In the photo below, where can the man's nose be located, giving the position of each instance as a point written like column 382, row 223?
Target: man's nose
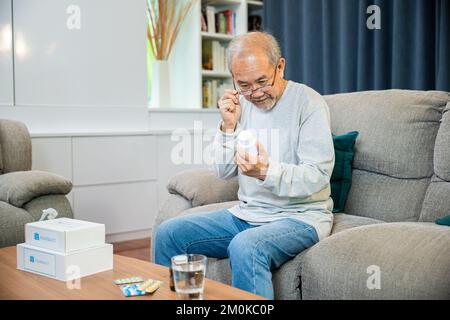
column 257, row 94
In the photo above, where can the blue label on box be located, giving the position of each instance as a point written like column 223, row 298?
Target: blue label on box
column 39, row 262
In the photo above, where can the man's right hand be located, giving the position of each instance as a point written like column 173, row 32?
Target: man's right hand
column 230, row 110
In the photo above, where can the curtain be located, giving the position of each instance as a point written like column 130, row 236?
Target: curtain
column 328, row 45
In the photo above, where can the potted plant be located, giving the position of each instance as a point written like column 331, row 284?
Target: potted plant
column 165, row 18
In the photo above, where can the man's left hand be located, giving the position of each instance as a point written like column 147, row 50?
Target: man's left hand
column 255, row 166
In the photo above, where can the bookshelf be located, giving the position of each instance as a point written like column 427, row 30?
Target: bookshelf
column 222, row 2
column 219, row 37
column 210, row 74
column 258, row 4
column 189, row 52
column 221, row 20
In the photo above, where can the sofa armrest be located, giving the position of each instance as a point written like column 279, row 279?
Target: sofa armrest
column 403, row 260
column 202, row 187
column 20, row 187
column 172, row 207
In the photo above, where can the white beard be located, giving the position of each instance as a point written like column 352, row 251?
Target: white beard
column 267, row 108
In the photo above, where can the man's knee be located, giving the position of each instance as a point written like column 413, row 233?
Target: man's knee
column 244, row 247
column 166, row 230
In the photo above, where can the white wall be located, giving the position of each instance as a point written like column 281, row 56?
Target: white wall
column 74, row 65
column 6, row 61
column 69, row 53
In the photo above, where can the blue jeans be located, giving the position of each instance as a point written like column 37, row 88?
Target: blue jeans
column 253, row 250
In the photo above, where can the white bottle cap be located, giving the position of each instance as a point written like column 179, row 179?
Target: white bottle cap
column 247, row 140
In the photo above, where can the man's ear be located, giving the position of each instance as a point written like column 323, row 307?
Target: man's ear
column 281, row 66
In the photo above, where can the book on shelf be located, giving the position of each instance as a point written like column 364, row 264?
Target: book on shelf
column 222, row 22
column 210, row 18
column 213, row 56
column 213, row 90
column 207, row 55
column 204, row 24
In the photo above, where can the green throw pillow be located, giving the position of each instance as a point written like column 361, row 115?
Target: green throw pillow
column 445, row 221
column 341, row 179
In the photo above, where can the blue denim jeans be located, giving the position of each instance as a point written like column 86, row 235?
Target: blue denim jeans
column 253, row 250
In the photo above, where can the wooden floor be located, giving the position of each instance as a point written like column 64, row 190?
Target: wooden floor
column 139, row 249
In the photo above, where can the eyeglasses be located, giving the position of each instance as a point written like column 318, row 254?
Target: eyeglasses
column 263, row 88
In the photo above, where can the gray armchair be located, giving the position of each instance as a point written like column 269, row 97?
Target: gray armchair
column 25, row 193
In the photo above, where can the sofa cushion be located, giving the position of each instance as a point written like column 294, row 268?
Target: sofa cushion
column 412, row 260
column 442, row 147
column 385, row 198
column 397, row 129
column 344, row 221
column 287, row 279
column 341, row 178
column 437, row 200
column 393, row 160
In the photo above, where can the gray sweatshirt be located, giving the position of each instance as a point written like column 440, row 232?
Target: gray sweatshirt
column 297, row 136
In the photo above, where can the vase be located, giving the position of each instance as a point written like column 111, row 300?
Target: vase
column 160, row 94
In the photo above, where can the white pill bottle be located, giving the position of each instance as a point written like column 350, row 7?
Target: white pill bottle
column 247, row 140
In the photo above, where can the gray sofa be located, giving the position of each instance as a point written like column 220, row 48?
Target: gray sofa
column 385, row 245
column 25, row 193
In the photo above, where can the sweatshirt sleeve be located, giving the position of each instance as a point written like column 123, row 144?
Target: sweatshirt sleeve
column 315, row 152
column 224, row 152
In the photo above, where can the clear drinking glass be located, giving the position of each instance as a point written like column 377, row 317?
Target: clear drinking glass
column 189, row 276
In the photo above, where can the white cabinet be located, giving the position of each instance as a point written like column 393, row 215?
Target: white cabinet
column 101, row 160
column 121, row 207
column 6, row 62
column 114, row 177
column 115, row 181
column 53, row 155
column 80, row 52
column 119, row 180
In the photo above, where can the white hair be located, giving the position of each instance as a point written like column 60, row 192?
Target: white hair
column 247, row 42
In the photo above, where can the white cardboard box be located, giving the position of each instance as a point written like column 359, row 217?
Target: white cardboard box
column 64, row 234
column 64, row 266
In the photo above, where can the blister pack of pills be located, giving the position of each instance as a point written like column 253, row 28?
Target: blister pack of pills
column 132, row 290
column 128, row 280
column 136, row 286
column 150, row 285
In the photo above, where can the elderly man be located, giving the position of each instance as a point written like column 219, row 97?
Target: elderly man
column 284, row 188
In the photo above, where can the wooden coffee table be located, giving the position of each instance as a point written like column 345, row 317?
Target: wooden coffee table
column 17, row 284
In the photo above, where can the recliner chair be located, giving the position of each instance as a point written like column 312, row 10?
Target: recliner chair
column 25, row 193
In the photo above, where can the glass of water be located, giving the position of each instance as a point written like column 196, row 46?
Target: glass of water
column 189, row 276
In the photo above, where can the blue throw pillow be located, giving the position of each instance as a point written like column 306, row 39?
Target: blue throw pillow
column 445, row 221
column 341, row 178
